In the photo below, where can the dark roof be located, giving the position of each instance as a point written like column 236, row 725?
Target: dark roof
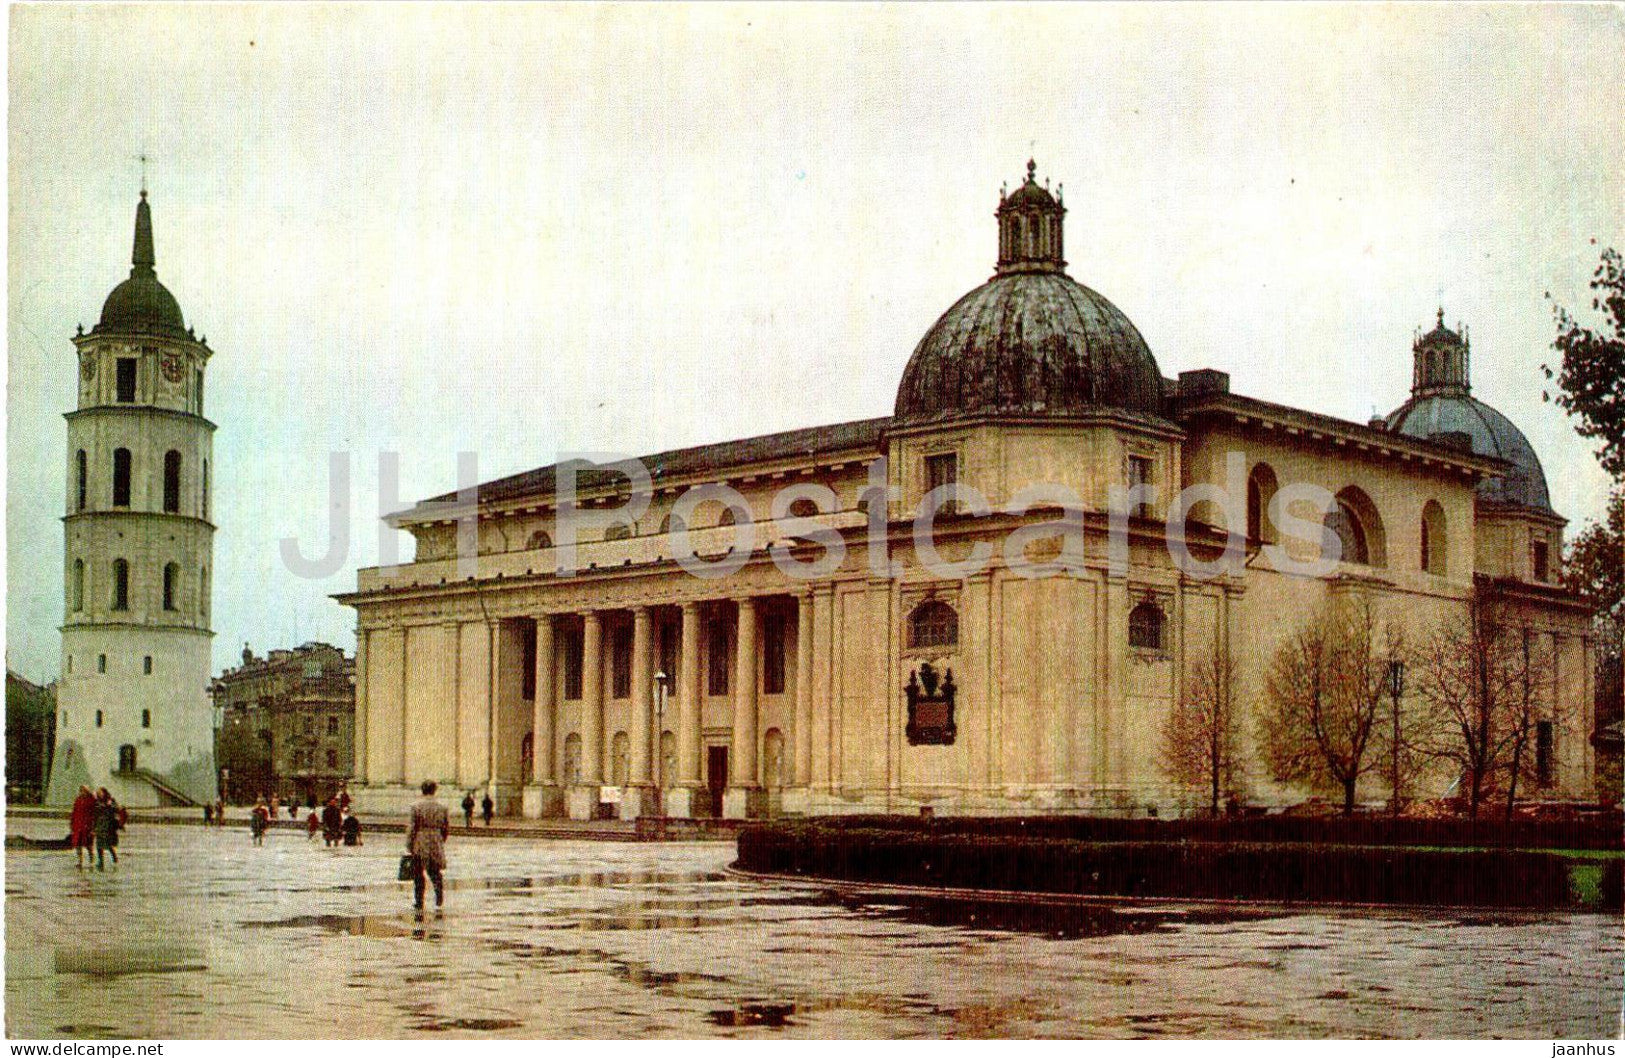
column 684, row 462
column 1491, row 433
column 1029, row 343
column 141, row 303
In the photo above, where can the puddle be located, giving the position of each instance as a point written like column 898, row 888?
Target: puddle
column 468, row 1025
column 117, row 961
column 768, row 1015
column 1054, row 922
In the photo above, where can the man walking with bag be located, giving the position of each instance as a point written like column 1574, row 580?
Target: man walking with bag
column 426, row 843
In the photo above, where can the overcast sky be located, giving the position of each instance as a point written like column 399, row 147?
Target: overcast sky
column 516, row 230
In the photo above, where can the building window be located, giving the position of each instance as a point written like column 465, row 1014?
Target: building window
column 126, row 758
column 78, row 585
column 669, row 637
column 126, row 379
column 1145, row 626
column 332, row 758
column 332, row 725
column 716, row 660
column 101, row 662
column 121, row 477
column 1433, row 539
column 620, row 662
column 573, row 646
column 1139, row 475
column 539, row 539
column 70, row 670
column 146, row 714
column 121, row 584
column 1542, row 560
column 527, row 677
column 618, row 531
column 81, row 478
column 773, row 635
column 1344, row 536
column 933, row 624
column 172, row 579
column 205, row 503
column 197, row 386
column 146, row 669
column 1261, row 487
column 1543, row 752
column 98, row 718
column 941, row 469
column 803, row 507
column 172, row 482
column 203, row 591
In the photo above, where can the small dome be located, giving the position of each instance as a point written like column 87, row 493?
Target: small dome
column 1492, row 434
column 1029, row 343
column 141, row 303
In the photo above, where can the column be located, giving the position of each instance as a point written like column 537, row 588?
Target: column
column 688, row 699
column 592, row 699
column 638, row 798
column 804, row 679
column 542, row 718
column 359, row 726
column 743, row 797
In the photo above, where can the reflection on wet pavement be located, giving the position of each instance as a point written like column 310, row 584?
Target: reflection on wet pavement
column 597, row 940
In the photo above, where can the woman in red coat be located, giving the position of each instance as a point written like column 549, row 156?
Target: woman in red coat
column 79, row 823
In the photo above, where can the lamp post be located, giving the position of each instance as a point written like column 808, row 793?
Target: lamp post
column 662, row 678
column 1396, row 687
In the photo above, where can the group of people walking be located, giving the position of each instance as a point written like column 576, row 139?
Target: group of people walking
column 336, row 823
column 95, row 822
column 488, row 808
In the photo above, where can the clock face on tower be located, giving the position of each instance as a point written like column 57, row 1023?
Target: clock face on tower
column 172, row 366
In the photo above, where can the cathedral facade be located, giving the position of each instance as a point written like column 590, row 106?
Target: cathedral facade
column 133, row 711
column 760, row 626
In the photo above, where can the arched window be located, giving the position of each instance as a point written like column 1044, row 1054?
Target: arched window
column 81, row 480
column 803, row 507
column 172, row 581
column 670, row 524
column 98, row 718
column 933, row 623
column 146, row 718
column 126, row 758
column 1353, row 530
column 618, row 531
column 1145, row 626
column 172, row 481
column 1434, row 541
column 728, row 516
column 1261, row 487
column 121, row 477
column 78, row 585
column 538, row 540
column 121, row 584
column 619, row 752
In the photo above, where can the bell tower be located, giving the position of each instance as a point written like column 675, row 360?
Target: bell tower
column 133, row 712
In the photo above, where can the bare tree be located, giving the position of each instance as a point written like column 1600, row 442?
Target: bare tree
column 1199, row 736
column 1403, row 731
column 1323, row 698
column 1482, row 677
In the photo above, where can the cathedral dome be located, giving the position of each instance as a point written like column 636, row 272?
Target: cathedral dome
column 141, row 303
column 1441, row 404
column 1030, row 341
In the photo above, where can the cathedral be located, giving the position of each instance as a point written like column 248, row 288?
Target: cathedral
column 592, row 671
column 133, row 712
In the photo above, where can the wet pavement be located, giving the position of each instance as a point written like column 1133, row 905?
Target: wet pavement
column 198, row 934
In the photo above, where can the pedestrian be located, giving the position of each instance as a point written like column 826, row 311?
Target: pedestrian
column 344, row 798
column 80, row 823
column 352, row 829
column 426, row 843
column 220, row 812
column 332, row 821
column 106, row 822
column 468, row 809
column 276, row 806
column 312, row 824
column 487, row 808
column 293, row 811
column 258, row 820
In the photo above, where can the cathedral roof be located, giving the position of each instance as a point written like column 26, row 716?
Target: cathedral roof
column 1491, row 433
column 1030, row 341
column 141, row 303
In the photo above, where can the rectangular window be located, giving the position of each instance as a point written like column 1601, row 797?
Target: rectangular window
column 773, row 633
column 101, row 662
column 1542, row 560
column 333, row 725
column 146, row 665
column 669, row 640
column 1139, row 474
column 620, row 662
column 198, row 375
column 332, row 758
column 527, row 680
column 571, row 641
column 941, row 469
column 716, row 660
column 1543, row 752
column 126, row 379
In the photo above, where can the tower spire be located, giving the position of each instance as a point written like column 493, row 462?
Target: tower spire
column 143, row 258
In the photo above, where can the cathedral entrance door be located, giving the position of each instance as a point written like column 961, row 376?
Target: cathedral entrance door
column 716, row 776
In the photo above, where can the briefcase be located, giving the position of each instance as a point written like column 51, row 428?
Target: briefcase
column 408, row 869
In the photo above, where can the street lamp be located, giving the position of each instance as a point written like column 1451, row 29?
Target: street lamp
column 662, row 679
column 1396, row 687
